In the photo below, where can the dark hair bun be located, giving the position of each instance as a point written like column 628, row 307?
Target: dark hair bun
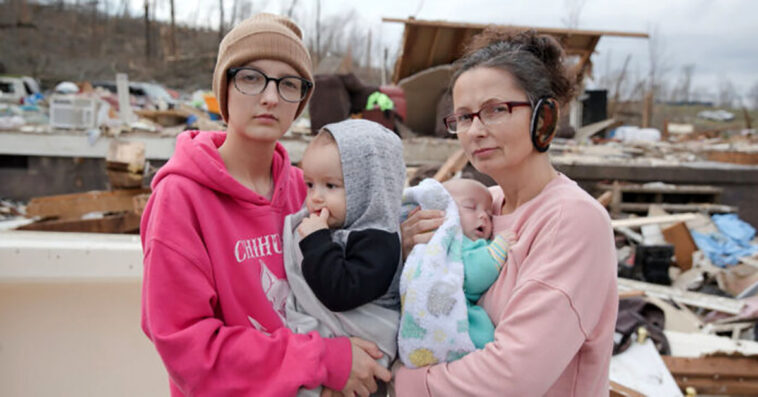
column 546, row 48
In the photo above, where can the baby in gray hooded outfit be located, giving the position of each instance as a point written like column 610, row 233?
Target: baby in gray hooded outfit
column 342, row 252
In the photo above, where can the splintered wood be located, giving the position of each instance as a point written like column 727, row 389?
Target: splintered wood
column 125, row 164
column 75, row 205
column 116, row 211
column 715, row 375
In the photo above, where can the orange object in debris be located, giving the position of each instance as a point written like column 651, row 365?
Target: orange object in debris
column 212, row 103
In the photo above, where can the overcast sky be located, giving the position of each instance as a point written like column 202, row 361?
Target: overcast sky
column 720, row 37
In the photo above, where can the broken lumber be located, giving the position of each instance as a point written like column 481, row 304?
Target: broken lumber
column 650, row 220
column 126, row 156
column 454, row 163
column 715, row 375
column 588, row 131
column 605, row 198
column 679, row 236
column 711, row 302
column 75, row 205
column 619, row 390
column 127, row 222
column 124, row 179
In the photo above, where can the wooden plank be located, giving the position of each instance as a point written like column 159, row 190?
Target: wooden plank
column 127, row 222
column 678, row 235
column 712, row 302
column 665, row 188
column 589, row 130
column 605, row 198
column 630, row 294
column 77, row 204
column 140, row 201
column 619, row 390
column 718, row 367
column 709, row 386
column 433, row 47
column 455, row 163
column 652, row 220
column 126, row 156
column 577, row 32
column 706, row 207
column 124, row 179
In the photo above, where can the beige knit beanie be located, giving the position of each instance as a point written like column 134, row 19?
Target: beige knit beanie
column 262, row 36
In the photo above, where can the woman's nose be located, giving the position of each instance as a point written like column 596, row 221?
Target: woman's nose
column 270, row 95
column 477, row 127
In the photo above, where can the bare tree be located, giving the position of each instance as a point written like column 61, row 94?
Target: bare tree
column 752, row 95
column 573, row 12
column 683, row 90
column 173, row 29
column 318, row 32
column 618, row 84
column 418, row 8
column 235, row 6
column 727, row 93
column 291, row 8
column 658, row 56
column 220, row 20
column 148, row 51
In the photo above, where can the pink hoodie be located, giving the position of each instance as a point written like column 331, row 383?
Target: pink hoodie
column 554, row 306
column 214, row 284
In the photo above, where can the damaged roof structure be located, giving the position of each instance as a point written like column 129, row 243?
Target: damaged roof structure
column 428, row 49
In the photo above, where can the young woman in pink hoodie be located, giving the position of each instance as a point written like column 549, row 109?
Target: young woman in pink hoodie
column 214, row 282
column 554, row 307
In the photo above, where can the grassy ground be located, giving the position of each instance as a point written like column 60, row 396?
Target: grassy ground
column 631, row 114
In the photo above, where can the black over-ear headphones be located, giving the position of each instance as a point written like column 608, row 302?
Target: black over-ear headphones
column 544, row 123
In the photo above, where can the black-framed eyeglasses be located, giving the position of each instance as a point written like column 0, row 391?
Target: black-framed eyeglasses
column 489, row 114
column 251, row 81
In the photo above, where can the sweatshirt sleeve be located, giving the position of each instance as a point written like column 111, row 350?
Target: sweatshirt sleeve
column 202, row 354
column 563, row 288
column 482, row 262
column 363, row 272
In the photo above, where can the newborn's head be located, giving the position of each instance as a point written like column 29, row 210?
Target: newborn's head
column 474, row 205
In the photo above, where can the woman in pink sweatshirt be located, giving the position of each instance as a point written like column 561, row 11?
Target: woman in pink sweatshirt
column 214, row 282
column 555, row 306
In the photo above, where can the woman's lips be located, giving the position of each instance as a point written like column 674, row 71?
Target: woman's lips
column 266, row 117
column 483, row 151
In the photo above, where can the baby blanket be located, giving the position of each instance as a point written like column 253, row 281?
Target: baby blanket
column 434, row 318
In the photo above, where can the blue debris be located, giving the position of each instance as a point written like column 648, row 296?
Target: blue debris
column 733, row 241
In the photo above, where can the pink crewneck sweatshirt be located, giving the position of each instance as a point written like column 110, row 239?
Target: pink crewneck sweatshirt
column 214, row 284
column 554, row 306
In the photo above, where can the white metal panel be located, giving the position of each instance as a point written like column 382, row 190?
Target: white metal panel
column 52, row 256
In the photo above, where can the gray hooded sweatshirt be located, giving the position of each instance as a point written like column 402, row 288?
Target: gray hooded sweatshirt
column 344, row 282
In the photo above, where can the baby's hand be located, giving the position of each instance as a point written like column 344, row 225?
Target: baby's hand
column 507, row 236
column 500, row 246
column 313, row 222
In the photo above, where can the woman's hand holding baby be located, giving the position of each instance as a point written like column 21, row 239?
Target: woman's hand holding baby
column 313, row 223
column 419, row 227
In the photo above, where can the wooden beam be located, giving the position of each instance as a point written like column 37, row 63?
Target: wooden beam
column 619, row 390
column 588, row 53
column 605, row 198
column 630, row 294
column 718, row 367
column 587, row 131
column 447, row 24
column 455, row 163
column 433, row 47
column 650, row 220
column 127, row 222
column 77, row 204
column 720, row 387
column 712, row 302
